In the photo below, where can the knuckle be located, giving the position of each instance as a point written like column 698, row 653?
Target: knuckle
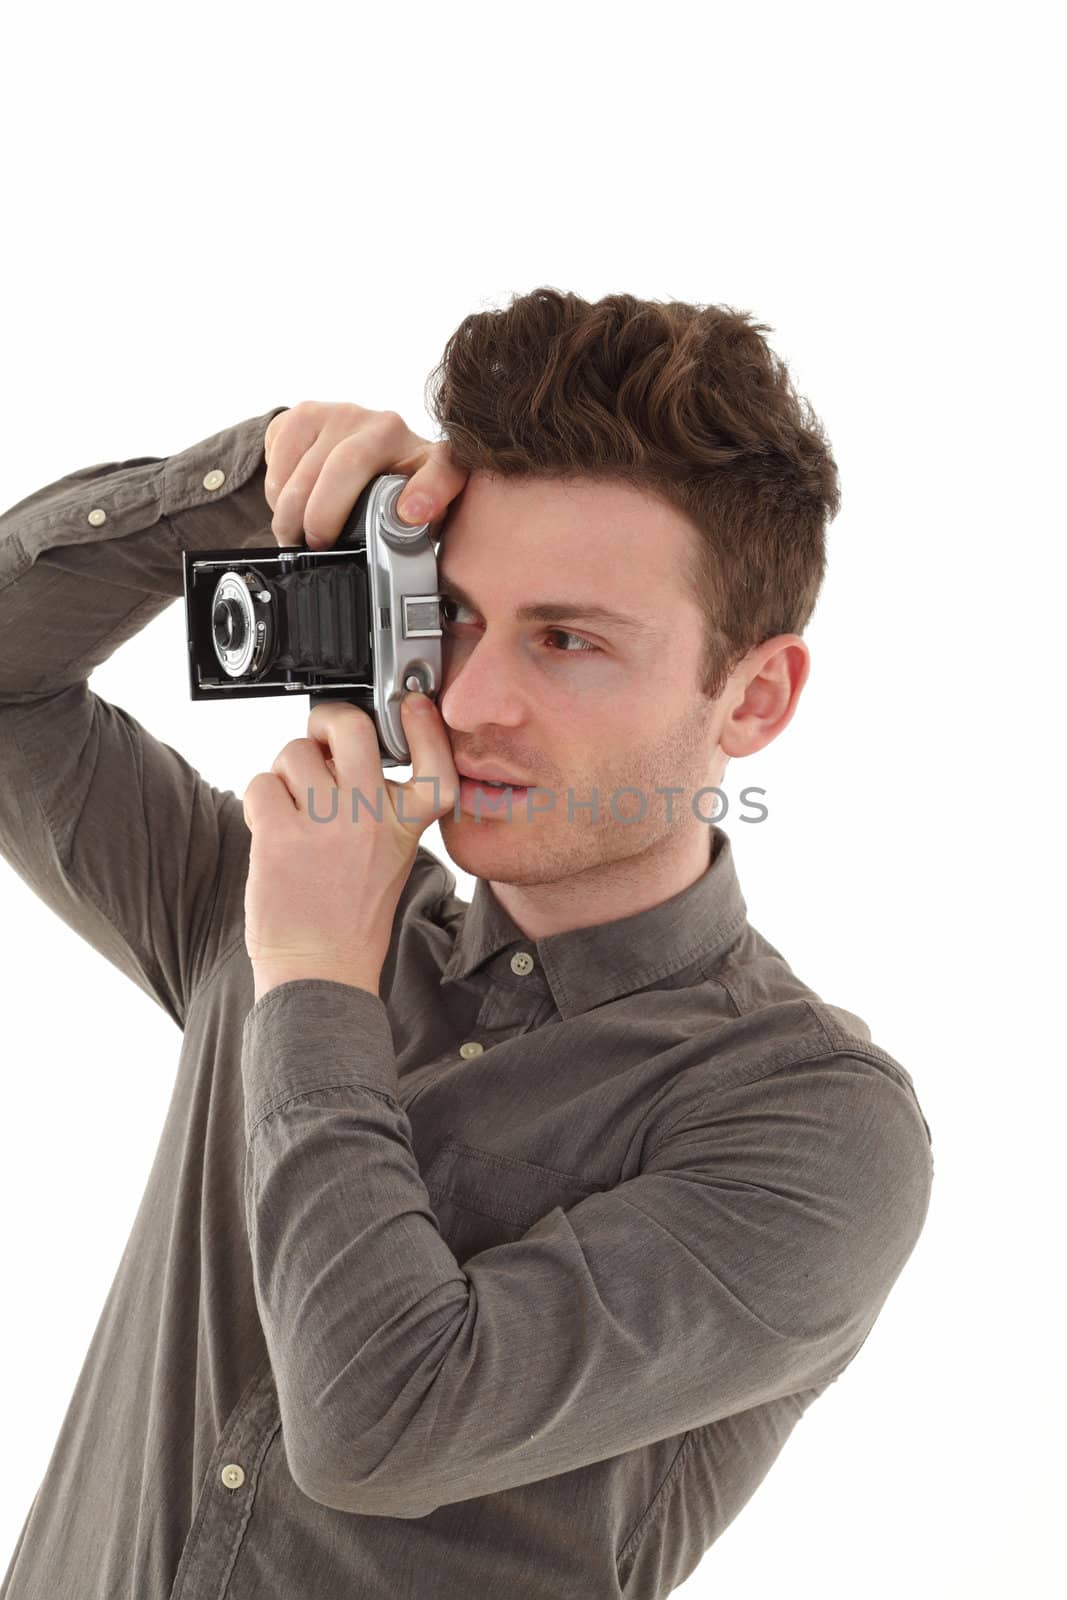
column 387, row 424
column 299, row 482
column 351, row 409
column 351, row 448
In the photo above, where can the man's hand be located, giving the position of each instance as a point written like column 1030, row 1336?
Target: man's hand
column 321, row 454
column 323, row 888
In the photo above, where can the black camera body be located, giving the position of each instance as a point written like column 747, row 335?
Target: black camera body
column 359, row 621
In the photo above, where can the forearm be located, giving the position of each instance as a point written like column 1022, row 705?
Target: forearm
column 89, row 560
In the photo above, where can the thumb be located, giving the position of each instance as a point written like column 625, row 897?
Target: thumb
column 431, row 758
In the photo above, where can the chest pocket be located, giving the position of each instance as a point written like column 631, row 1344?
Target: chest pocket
column 481, row 1198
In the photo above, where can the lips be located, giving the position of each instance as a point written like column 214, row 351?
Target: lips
column 488, row 775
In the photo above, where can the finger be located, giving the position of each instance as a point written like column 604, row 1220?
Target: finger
column 347, row 734
column 290, row 509
column 432, row 765
column 274, row 426
column 349, row 465
column 302, row 766
column 267, row 798
column 434, row 482
column 288, row 438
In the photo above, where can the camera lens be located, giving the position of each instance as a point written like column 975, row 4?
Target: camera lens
column 229, row 625
column 240, row 627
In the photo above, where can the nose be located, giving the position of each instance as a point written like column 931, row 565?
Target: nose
column 479, row 685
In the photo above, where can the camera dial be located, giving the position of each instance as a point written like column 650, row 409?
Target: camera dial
column 391, row 528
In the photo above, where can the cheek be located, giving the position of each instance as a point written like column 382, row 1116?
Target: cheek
column 605, row 734
column 587, row 711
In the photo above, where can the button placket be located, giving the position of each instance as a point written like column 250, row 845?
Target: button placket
column 508, row 1007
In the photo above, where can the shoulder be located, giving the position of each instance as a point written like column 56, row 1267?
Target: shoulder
column 780, row 1023
column 767, row 1049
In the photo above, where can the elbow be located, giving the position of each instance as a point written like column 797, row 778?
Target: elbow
column 392, row 1486
column 382, row 1498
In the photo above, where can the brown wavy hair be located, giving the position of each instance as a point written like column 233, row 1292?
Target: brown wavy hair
column 683, row 402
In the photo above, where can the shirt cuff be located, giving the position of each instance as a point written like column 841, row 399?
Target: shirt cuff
column 313, row 1033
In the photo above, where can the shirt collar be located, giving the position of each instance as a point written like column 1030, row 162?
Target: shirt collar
column 585, row 967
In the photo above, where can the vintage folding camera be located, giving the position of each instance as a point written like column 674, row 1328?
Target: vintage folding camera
column 358, row 621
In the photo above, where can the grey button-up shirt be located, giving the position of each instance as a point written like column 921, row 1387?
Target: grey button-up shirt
column 513, row 1280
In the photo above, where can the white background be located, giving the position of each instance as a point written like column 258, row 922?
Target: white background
column 210, row 212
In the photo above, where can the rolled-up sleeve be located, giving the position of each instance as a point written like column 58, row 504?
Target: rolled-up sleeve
column 746, row 1261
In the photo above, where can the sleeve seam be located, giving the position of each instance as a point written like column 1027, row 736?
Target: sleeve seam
column 203, row 983
column 782, row 1064
column 657, row 1505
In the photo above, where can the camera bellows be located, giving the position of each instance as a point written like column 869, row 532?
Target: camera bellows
column 323, row 620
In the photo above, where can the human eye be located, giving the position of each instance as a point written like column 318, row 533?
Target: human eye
column 450, row 607
column 583, row 644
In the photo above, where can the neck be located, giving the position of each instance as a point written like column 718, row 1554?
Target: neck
column 609, row 890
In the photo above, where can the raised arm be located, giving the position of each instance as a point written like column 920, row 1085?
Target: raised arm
column 109, row 826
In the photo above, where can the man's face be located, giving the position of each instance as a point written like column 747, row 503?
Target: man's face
column 573, row 703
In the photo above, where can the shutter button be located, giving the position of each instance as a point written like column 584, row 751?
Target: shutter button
column 471, row 1048
column 522, row 963
column 232, row 1475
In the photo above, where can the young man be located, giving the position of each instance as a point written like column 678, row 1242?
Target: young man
column 488, row 1248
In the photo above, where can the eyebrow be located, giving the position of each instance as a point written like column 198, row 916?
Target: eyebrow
column 558, row 610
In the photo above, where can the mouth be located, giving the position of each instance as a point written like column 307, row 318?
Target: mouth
column 479, row 797
column 494, row 782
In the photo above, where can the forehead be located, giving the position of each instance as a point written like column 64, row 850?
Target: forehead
column 608, row 539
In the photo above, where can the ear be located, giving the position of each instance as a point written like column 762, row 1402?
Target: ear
column 770, row 682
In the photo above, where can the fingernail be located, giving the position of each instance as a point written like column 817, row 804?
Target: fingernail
column 416, row 508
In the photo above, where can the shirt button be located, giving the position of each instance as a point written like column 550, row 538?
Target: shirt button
column 214, row 478
column 522, row 963
column 471, row 1048
column 97, row 517
column 232, row 1475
